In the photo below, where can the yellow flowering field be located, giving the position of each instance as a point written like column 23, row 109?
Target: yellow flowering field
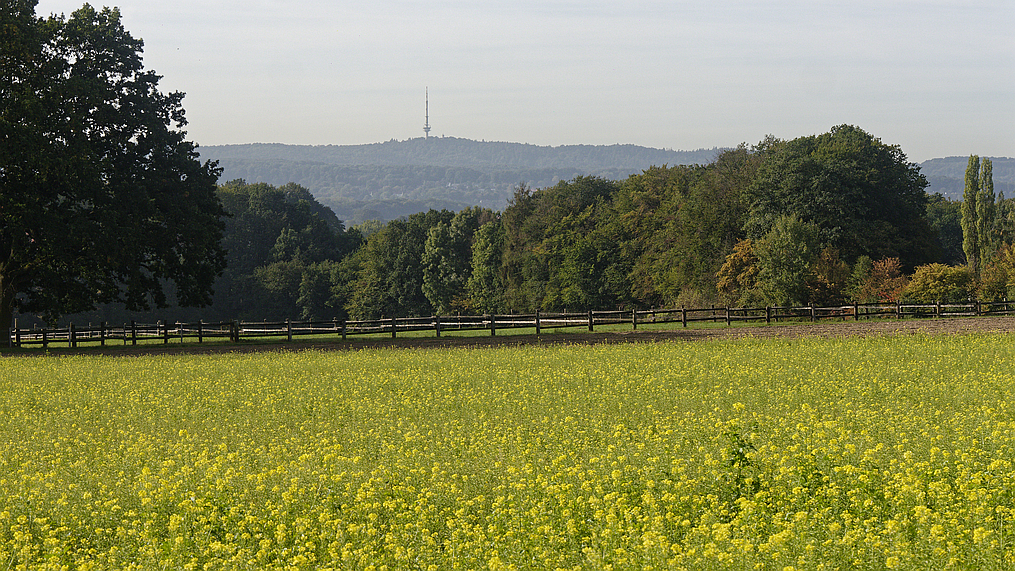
column 867, row 453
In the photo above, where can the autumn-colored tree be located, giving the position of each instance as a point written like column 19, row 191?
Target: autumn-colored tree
column 737, row 279
column 932, row 283
column 997, row 279
column 883, row 282
column 827, row 282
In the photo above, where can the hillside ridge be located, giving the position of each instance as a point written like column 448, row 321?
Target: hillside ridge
column 386, row 180
column 457, row 152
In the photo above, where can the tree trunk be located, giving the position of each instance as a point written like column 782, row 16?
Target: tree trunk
column 7, row 293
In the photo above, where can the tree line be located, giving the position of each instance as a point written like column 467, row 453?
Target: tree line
column 818, row 220
column 823, row 219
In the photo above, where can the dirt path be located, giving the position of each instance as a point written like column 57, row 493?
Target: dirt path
column 792, row 330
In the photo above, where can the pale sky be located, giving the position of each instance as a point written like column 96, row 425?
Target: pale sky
column 934, row 77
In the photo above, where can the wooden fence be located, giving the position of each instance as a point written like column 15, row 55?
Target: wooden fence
column 234, row 331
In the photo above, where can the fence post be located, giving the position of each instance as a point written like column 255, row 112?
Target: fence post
column 976, row 307
column 17, row 334
column 856, row 311
column 937, row 309
column 898, row 310
column 590, row 320
column 234, row 331
column 634, row 318
column 537, row 323
column 727, row 315
column 288, row 330
column 493, row 325
column 437, row 325
column 200, row 331
column 133, row 332
column 72, row 337
column 165, row 332
column 814, row 316
column 394, row 326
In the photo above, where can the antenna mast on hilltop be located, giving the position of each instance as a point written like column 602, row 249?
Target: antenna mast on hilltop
column 426, row 127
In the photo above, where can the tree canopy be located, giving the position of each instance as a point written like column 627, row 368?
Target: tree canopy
column 103, row 198
column 284, row 253
column 864, row 196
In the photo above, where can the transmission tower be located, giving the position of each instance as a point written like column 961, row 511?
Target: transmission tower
column 426, row 126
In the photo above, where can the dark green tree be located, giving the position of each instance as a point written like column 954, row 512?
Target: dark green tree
column 447, row 259
column 102, row 198
column 786, row 256
column 578, row 259
column 970, row 215
column 864, row 196
column 546, row 247
column 945, row 217
column 486, row 283
column 283, row 247
column 648, row 220
column 389, row 276
column 676, row 225
column 986, row 212
column 709, row 223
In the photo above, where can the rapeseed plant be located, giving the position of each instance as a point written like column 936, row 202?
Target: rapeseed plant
column 887, row 452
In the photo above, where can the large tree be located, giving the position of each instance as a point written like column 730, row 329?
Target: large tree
column 970, row 214
column 390, row 268
column 986, row 213
column 555, row 255
column 864, row 196
column 102, row 198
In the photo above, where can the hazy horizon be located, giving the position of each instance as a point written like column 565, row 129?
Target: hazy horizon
column 933, row 77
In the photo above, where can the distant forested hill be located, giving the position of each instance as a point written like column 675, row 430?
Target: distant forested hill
column 455, row 152
column 383, row 181
column 388, row 180
column 947, row 176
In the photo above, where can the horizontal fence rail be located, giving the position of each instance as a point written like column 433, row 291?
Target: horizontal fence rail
column 133, row 333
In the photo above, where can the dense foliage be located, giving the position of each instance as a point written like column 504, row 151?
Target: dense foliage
column 102, row 198
column 284, row 255
column 817, row 220
column 863, row 195
column 389, row 180
column 821, row 220
column 288, row 257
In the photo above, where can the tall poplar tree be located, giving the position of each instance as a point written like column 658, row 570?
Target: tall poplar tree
column 986, row 215
column 970, row 211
